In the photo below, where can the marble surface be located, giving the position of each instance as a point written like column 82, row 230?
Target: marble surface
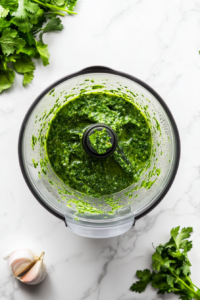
column 157, row 41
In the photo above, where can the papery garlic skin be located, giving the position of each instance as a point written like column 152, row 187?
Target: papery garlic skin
column 26, row 266
column 36, row 274
column 21, row 260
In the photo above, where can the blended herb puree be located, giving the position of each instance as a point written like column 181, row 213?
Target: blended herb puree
column 90, row 175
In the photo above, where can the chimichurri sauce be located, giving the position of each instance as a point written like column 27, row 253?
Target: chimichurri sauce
column 90, row 175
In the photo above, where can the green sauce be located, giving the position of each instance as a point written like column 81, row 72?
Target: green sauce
column 90, row 175
column 100, row 141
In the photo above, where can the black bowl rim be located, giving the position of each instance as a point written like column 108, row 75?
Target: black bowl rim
column 100, row 69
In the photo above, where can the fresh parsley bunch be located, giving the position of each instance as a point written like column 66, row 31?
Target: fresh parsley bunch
column 172, row 268
column 21, row 21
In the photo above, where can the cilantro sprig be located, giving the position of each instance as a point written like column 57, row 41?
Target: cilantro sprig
column 171, row 268
column 22, row 26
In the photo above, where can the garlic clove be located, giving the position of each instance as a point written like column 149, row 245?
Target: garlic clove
column 36, row 274
column 21, row 260
column 26, row 266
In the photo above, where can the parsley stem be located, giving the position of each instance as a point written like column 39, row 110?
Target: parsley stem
column 35, row 32
column 188, row 278
column 56, row 13
column 189, row 288
column 55, row 7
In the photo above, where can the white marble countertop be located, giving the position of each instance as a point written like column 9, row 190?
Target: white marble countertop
column 157, row 41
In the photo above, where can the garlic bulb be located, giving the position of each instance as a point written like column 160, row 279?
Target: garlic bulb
column 26, row 266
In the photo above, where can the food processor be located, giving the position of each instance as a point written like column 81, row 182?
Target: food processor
column 108, row 215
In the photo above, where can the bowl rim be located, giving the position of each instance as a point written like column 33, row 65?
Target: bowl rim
column 100, row 69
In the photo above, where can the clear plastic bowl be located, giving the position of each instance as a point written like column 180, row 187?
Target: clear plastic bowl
column 137, row 200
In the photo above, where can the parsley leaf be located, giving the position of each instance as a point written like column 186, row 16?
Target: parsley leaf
column 58, row 2
column 23, row 23
column 6, row 78
column 172, row 268
column 25, row 13
column 44, row 53
column 174, row 233
column 185, row 269
column 71, row 4
column 53, row 25
column 20, row 22
column 145, row 277
column 157, row 261
column 30, row 51
column 24, row 65
column 4, row 23
column 170, row 280
column 3, row 12
column 12, row 5
column 178, row 238
column 10, row 42
column 28, row 77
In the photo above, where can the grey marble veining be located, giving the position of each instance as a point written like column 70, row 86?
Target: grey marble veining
column 157, row 41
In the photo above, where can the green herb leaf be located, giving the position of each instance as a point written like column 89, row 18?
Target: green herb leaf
column 37, row 17
column 70, row 4
column 24, row 65
column 185, row 269
column 170, row 280
column 10, row 58
column 25, row 12
column 12, row 5
column 172, row 266
column 44, row 53
column 174, row 233
column 159, row 281
column 184, row 234
column 6, row 78
column 4, row 23
column 58, row 2
column 28, row 38
column 157, row 261
column 186, row 245
column 10, row 42
column 53, row 25
column 28, row 77
column 20, row 22
column 30, row 51
column 30, row 7
column 145, row 277
column 3, row 12
column 24, row 24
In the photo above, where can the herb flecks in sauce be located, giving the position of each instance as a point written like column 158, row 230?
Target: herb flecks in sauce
column 87, row 174
column 33, row 141
column 100, row 141
column 35, row 163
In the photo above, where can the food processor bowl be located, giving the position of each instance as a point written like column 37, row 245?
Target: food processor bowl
column 108, row 215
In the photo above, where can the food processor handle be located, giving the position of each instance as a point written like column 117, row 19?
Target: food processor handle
column 96, row 69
